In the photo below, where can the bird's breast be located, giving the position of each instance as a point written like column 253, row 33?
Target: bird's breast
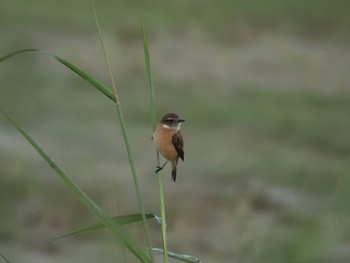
column 162, row 137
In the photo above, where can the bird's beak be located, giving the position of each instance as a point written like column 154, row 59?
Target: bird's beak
column 181, row 120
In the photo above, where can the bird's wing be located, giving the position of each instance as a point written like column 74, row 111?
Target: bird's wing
column 178, row 144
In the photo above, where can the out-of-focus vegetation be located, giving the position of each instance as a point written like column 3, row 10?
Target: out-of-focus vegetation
column 312, row 17
column 264, row 87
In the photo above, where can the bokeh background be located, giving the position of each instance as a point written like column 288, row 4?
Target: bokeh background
column 264, row 87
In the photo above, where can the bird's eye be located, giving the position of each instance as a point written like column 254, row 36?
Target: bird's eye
column 170, row 120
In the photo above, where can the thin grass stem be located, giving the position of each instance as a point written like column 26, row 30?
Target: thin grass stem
column 136, row 182
column 4, row 258
column 149, row 75
column 153, row 122
column 126, row 139
column 108, row 65
column 163, row 215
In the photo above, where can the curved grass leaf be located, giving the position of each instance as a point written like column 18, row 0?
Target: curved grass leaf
column 121, row 220
column 108, row 222
column 95, row 83
column 106, row 91
column 184, row 258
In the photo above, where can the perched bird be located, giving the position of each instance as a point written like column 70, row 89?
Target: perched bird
column 169, row 142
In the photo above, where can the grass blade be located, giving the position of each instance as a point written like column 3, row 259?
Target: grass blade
column 106, row 91
column 163, row 216
column 133, row 171
column 149, row 75
column 110, row 224
column 153, row 121
column 4, row 258
column 95, row 83
column 121, row 220
column 104, row 52
column 126, row 139
column 182, row 257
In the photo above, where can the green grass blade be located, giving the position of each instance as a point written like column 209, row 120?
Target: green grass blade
column 110, row 224
column 95, row 83
column 16, row 53
column 126, row 140
column 108, row 65
column 106, row 91
column 182, row 257
column 134, row 175
column 121, row 220
column 149, row 75
column 153, row 121
column 111, row 96
column 163, row 216
column 4, row 258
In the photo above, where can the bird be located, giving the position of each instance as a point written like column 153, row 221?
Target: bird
column 169, row 141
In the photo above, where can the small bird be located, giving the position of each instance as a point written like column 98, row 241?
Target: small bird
column 169, row 142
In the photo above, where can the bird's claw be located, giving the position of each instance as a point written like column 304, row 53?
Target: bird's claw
column 159, row 168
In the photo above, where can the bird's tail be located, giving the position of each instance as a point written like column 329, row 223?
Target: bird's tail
column 173, row 170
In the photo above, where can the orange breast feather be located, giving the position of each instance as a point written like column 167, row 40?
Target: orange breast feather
column 162, row 139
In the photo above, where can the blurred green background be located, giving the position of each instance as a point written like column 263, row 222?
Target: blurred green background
column 264, row 87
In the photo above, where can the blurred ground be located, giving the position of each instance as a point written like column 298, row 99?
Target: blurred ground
column 264, row 88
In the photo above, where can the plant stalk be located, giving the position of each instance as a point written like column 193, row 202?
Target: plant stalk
column 136, row 182
column 126, row 139
column 163, row 216
column 153, row 122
